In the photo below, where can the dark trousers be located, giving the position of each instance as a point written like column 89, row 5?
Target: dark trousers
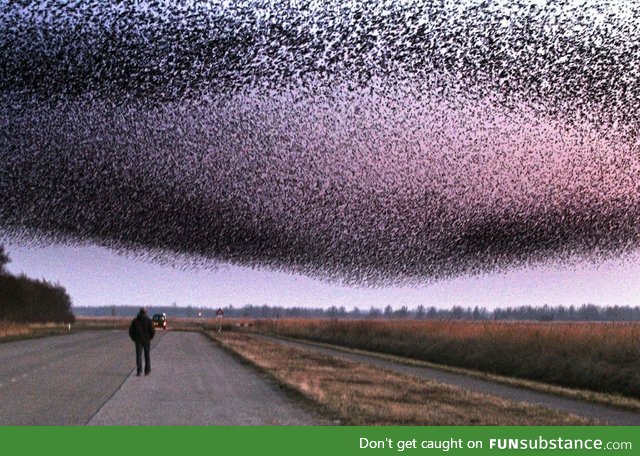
column 140, row 346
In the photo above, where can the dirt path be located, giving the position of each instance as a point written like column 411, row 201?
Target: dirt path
column 605, row 414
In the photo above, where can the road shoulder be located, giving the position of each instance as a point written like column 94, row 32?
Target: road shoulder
column 364, row 394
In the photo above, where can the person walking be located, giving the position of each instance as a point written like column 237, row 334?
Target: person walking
column 141, row 331
column 219, row 315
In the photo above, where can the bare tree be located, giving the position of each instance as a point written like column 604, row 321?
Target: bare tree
column 4, row 259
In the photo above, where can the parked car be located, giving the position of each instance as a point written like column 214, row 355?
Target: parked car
column 160, row 321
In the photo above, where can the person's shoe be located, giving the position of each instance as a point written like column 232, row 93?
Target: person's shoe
column 138, row 374
column 147, row 373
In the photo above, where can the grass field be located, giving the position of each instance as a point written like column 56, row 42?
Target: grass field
column 10, row 331
column 361, row 394
column 601, row 357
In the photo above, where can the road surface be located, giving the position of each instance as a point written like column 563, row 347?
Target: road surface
column 89, row 378
column 602, row 413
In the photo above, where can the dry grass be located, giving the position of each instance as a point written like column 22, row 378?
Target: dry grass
column 364, row 395
column 614, row 400
column 173, row 323
column 600, row 357
column 102, row 323
column 10, row 331
column 190, row 323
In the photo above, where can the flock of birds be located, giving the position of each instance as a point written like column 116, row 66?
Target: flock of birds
column 366, row 142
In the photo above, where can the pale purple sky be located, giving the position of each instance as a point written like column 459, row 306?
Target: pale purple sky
column 425, row 149
column 97, row 276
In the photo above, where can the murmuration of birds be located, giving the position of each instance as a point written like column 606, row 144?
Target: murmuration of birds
column 369, row 143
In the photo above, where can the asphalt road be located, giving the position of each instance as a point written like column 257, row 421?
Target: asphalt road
column 61, row 380
column 602, row 413
column 89, row 378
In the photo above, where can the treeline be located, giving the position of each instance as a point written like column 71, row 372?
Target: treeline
column 587, row 312
column 27, row 300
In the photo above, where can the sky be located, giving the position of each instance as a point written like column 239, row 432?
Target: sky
column 96, row 276
column 371, row 142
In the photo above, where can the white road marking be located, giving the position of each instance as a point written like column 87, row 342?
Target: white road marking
column 24, row 375
column 13, row 380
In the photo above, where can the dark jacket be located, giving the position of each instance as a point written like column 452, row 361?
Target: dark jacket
column 141, row 329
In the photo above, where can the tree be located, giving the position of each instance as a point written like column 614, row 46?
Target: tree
column 4, row 260
column 457, row 312
column 432, row 313
column 478, row 313
column 26, row 300
column 402, row 312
